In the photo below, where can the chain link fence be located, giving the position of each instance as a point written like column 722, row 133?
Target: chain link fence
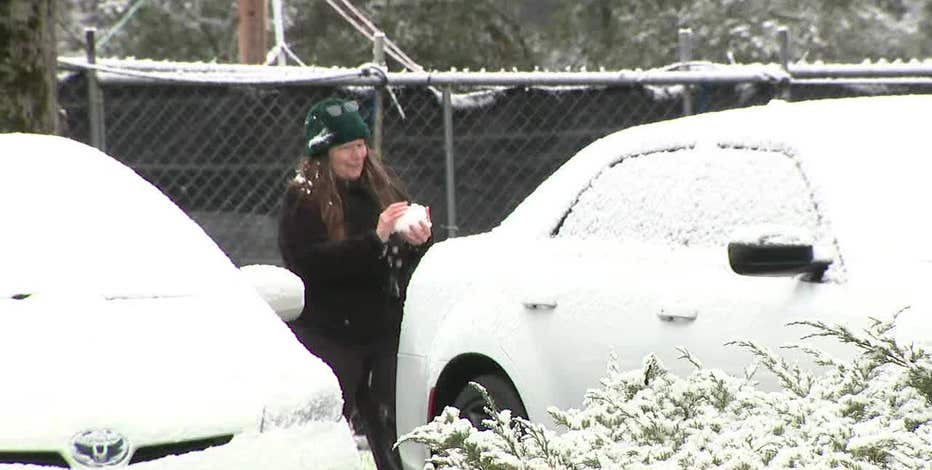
column 223, row 147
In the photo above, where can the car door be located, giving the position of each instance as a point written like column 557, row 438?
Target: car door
column 639, row 264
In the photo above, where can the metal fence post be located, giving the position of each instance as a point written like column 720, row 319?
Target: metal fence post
column 452, row 229
column 378, row 56
column 783, row 35
column 685, row 54
column 278, row 22
column 95, row 100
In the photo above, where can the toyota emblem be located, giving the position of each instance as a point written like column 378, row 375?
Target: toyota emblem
column 99, row 448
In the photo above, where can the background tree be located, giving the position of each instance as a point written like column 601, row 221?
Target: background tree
column 854, row 30
column 194, row 30
column 925, row 28
column 438, row 34
column 625, row 34
column 27, row 66
column 493, row 34
column 474, row 34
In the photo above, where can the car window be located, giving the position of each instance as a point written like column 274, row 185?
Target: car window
column 693, row 196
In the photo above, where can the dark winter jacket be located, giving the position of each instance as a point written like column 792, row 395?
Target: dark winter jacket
column 354, row 288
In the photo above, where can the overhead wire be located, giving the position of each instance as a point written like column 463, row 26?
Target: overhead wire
column 362, row 24
column 400, row 55
column 368, row 29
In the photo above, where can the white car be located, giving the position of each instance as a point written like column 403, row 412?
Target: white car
column 128, row 338
column 686, row 233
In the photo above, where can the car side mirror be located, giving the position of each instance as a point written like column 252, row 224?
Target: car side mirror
column 775, row 252
column 279, row 287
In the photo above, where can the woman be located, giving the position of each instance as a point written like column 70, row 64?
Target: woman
column 336, row 233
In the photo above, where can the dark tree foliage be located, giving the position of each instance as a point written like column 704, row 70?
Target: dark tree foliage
column 203, row 30
column 626, row 34
column 494, row 34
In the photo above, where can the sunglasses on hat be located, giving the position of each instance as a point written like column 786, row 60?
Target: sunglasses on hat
column 336, row 110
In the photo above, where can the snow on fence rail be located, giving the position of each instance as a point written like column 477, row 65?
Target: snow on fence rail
column 372, row 75
column 375, row 76
column 221, row 140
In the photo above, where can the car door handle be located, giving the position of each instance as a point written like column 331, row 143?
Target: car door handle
column 537, row 306
column 677, row 314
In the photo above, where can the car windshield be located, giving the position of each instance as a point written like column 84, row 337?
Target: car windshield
column 79, row 221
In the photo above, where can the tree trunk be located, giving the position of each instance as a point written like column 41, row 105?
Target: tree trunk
column 28, row 98
column 253, row 43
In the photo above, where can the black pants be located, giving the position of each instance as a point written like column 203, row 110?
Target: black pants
column 367, row 377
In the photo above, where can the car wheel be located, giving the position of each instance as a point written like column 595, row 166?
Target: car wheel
column 472, row 405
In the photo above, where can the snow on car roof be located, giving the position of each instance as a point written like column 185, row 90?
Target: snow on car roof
column 876, row 143
column 77, row 215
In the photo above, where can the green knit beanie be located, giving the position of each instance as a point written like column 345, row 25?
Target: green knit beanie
column 332, row 122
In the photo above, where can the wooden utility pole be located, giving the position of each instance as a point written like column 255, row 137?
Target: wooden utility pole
column 253, row 40
column 28, row 101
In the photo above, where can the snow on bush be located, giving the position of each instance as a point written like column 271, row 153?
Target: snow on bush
column 872, row 413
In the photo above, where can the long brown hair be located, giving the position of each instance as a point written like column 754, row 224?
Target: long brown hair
column 315, row 183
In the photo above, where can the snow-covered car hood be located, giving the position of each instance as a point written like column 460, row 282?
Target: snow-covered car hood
column 154, row 369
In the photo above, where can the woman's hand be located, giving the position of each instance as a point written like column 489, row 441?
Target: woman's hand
column 418, row 234
column 387, row 219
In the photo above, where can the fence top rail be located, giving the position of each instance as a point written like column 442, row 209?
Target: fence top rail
column 864, row 70
column 625, row 77
column 150, row 72
column 154, row 72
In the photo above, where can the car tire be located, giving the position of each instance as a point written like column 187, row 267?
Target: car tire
column 472, row 405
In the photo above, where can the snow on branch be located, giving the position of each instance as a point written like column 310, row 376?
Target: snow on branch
column 874, row 412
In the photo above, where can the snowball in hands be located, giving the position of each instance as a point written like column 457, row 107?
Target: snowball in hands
column 415, row 214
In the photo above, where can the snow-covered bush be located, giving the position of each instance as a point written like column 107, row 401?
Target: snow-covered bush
column 874, row 412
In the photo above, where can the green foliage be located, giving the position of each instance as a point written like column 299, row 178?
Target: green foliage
column 791, row 376
column 868, row 413
column 878, row 347
column 492, row 34
column 440, row 34
column 624, row 34
column 203, row 30
column 921, row 380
